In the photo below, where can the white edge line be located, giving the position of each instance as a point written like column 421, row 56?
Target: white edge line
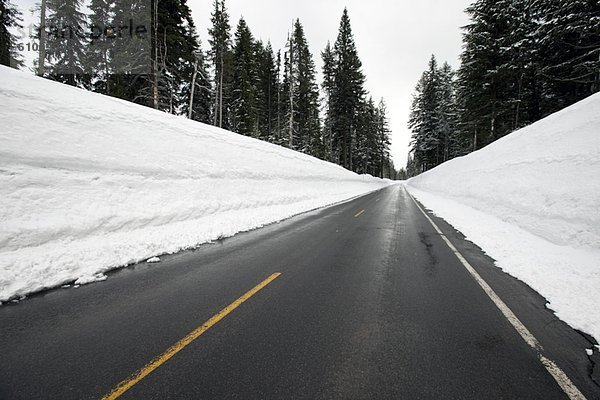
column 559, row 376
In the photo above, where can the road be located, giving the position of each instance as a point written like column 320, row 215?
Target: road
column 369, row 302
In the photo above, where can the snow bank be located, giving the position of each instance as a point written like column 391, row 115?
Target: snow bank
column 531, row 200
column 89, row 183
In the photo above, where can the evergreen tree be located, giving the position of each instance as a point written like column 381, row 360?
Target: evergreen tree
column 447, row 115
column 522, row 65
column 10, row 17
column 66, row 41
column 279, row 130
column 569, row 45
column 524, row 59
column 423, row 120
column 131, row 69
column 176, row 51
column 433, row 118
column 329, row 62
column 160, row 71
column 366, row 152
column 220, row 53
column 348, row 93
column 306, row 97
column 412, row 167
column 97, row 55
column 482, row 84
column 389, row 170
column 268, row 87
column 382, row 157
column 288, row 97
column 244, row 84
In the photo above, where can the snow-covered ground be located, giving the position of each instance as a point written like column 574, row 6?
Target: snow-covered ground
column 531, row 200
column 89, row 183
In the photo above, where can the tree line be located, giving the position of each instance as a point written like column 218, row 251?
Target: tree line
column 521, row 61
column 241, row 83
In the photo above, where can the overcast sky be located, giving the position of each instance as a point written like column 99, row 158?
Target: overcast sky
column 395, row 39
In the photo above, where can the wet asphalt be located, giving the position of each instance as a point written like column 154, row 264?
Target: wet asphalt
column 370, row 305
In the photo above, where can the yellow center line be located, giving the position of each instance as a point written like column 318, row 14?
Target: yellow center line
column 358, row 214
column 177, row 347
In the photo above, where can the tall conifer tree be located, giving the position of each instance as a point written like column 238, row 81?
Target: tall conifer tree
column 220, row 53
column 65, row 49
column 244, row 94
column 329, row 63
column 306, row 97
column 268, row 87
column 98, row 52
column 348, row 93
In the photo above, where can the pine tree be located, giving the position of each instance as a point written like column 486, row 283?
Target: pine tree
column 268, row 87
column 279, row 130
column 522, row 64
column 423, row 120
column 244, row 84
column 447, row 115
column 348, row 94
column 481, row 81
column 412, row 166
column 176, row 50
column 366, row 153
column 288, row 98
column 159, row 72
column 569, row 45
column 382, row 151
column 97, row 56
column 306, row 97
column 220, row 42
column 66, row 41
column 329, row 63
column 434, row 118
column 10, row 17
column 130, row 62
column 524, row 59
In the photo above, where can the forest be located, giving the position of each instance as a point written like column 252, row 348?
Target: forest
column 521, row 61
column 240, row 83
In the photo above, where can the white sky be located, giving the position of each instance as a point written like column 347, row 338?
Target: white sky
column 394, row 38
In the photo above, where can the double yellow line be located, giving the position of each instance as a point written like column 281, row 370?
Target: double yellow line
column 189, row 338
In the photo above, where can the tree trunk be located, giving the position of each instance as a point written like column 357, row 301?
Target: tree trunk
column 42, row 38
column 171, row 101
column 155, row 61
column 520, row 87
column 269, row 111
column 291, row 94
column 221, row 93
column 192, row 89
column 278, row 132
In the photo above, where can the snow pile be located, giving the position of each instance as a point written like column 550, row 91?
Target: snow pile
column 531, row 200
column 89, row 183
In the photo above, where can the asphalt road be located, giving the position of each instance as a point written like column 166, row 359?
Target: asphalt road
column 369, row 305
